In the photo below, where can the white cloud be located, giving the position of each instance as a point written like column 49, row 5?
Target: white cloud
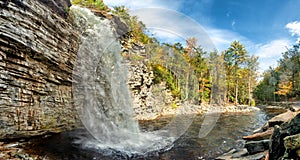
column 223, row 38
column 273, row 48
column 166, row 22
column 294, row 28
column 269, row 53
column 233, row 24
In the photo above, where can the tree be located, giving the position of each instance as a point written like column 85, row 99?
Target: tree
column 235, row 56
column 217, row 73
column 284, row 89
column 267, row 87
column 138, row 29
column 252, row 67
column 290, row 66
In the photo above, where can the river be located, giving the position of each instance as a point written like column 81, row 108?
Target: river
column 226, row 134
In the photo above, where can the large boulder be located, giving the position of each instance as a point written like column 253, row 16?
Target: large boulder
column 281, row 118
column 257, row 146
column 38, row 47
column 292, row 142
column 277, row 145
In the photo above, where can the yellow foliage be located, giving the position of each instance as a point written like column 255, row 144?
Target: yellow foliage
column 285, row 88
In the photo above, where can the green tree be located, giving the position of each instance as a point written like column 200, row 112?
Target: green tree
column 138, row 30
column 200, row 65
column 97, row 4
column 235, row 57
column 267, row 87
column 252, row 67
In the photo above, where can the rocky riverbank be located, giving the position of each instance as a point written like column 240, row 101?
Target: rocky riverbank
column 196, row 109
column 279, row 138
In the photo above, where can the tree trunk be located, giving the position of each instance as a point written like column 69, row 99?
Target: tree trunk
column 226, row 88
column 274, row 94
column 187, row 83
column 236, row 93
column 249, row 91
column 202, row 87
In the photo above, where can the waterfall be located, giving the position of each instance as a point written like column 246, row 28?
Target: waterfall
column 101, row 93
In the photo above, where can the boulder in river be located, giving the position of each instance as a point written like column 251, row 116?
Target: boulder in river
column 281, row 118
column 277, row 145
column 257, row 146
column 260, row 136
column 292, row 142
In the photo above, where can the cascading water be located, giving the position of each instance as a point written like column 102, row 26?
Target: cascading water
column 101, row 93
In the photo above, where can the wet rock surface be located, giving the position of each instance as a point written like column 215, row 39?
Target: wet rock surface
column 279, row 119
column 38, row 48
column 261, row 135
column 279, row 138
column 257, row 146
column 282, row 135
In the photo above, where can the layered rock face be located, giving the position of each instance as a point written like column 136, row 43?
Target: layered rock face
column 37, row 51
column 149, row 99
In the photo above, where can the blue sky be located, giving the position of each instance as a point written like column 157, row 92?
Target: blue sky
column 264, row 27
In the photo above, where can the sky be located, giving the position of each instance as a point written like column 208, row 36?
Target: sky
column 265, row 27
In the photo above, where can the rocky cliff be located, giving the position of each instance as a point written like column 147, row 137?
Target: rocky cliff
column 149, row 99
column 37, row 51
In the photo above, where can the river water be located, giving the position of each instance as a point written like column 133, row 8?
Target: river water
column 226, row 134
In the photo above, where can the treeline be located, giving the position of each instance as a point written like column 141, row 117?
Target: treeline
column 190, row 72
column 282, row 83
column 229, row 77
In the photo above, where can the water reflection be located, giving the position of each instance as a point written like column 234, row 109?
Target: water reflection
column 226, row 135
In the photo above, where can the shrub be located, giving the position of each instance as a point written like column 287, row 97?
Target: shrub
column 96, row 4
column 253, row 103
column 174, row 106
column 162, row 74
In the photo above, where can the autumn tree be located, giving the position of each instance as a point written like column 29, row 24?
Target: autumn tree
column 284, row 80
column 290, row 66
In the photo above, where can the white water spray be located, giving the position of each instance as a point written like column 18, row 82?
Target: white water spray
column 101, row 92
